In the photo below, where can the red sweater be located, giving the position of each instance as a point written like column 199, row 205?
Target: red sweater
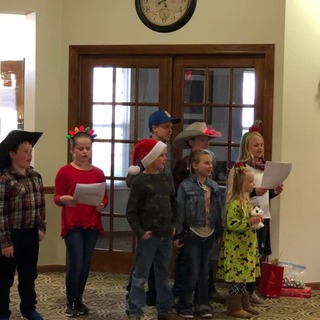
column 81, row 215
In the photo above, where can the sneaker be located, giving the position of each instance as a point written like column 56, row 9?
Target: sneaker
column 71, row 309
column 81, row 307
column 186, row 314
column 255, row 299
column 206, row 315
column 34, row 315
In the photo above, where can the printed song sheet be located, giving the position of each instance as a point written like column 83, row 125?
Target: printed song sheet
column 91, row 194
column 275, row 173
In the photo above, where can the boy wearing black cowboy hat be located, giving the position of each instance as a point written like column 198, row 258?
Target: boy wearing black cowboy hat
column 22, row 221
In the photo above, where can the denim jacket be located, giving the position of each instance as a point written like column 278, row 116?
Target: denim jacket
column 192, row 206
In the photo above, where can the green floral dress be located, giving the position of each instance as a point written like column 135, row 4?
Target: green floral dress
column 239, row 256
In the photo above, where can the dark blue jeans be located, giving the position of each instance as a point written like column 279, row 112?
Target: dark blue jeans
column 80, row 244
column 157, row 250
column 197, row 252
column 26, row 249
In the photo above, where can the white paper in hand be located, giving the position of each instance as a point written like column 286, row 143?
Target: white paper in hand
column 275, row 173
column 91, row 194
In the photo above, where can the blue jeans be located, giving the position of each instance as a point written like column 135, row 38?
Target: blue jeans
column 157, row 250
column 80, row 244
column 197, row 252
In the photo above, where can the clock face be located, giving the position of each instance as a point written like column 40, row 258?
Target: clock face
column 165, row 15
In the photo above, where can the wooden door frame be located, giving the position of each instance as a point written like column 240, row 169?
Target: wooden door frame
column 78, row 53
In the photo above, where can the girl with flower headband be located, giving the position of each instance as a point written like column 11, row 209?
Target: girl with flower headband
column 239, row 257
column 252, row 155
column 80, row 223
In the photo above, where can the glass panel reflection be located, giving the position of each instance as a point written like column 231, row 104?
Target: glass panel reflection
column 101, row 156
column 103, row 240
column 240, row 118
column 194, row 84
column 192, row 114
column 219, row 85
column 143, row 121
column 221, row 156
column 102, row 120
column 218, row 119
column 121, row 159
column 125, row 84
column 123, row 125
column 149, row 85
column 244, row 85
column 102, row 84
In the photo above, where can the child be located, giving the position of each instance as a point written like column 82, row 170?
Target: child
column 239, row 258
column 160, row 125
column 252, row 154
column 22, row 221
column 196, row 136
column 80, row 223
column 151, row 213
column 199, row 224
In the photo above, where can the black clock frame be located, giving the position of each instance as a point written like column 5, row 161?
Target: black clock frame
column 169, row 28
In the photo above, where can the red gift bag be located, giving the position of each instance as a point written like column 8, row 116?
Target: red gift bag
column 270, row 282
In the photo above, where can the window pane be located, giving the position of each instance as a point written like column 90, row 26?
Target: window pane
column 234, row 154
column 125, row 84
column 149, row 85
column 194, row 85
column 123, row 125
column 192, row 114
column 219, row 85
column 103, row 241
column 221, row 154
column 143, row 121
column 102, row 119
column 241, row 116
column 244, row 86
column 218, row 119
column 102, row 84
column 101, row 156
column 121, row 159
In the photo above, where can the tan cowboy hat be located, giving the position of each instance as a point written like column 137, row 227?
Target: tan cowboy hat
column 196, row 129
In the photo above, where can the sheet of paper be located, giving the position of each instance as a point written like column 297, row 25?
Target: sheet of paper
column 275, row 173
column 91, row 194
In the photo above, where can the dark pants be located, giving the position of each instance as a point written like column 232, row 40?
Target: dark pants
column 197, row 252
column 26, row 249
column 80, row 244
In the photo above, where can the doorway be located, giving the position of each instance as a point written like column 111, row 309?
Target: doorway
column 114, row 89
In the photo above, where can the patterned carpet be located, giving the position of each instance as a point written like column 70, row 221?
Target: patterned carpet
column 105, row 295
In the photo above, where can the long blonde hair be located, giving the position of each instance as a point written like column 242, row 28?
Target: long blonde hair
column 245, row 155
column 235, row 185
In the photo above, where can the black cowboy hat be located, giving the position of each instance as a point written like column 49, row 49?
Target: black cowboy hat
column 13, row 139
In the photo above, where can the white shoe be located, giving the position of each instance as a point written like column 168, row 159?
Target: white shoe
column 255, row 299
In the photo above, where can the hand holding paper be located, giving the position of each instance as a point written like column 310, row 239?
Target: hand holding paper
column 91, row 194
column 275, row 173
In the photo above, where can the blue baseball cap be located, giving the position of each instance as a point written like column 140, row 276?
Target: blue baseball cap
column 161, row 116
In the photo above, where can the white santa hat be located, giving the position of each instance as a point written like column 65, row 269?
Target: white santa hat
column 147, row 151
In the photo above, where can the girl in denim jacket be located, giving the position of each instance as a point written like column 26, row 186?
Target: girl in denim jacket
column 199, row 223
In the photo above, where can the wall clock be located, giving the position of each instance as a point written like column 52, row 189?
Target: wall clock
column 165, row 15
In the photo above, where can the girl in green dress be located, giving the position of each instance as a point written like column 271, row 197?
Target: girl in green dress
column 239, row 258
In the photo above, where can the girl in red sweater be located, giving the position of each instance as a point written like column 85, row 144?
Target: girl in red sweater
column 80, row 223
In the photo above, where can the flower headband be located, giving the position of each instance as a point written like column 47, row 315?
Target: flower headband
column 239, row 167
column 256, row 127
column 76, row 130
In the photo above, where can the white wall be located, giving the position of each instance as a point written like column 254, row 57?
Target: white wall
column 291, row 25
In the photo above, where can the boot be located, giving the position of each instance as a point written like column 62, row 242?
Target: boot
column 234, row 307
column 246, row 304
